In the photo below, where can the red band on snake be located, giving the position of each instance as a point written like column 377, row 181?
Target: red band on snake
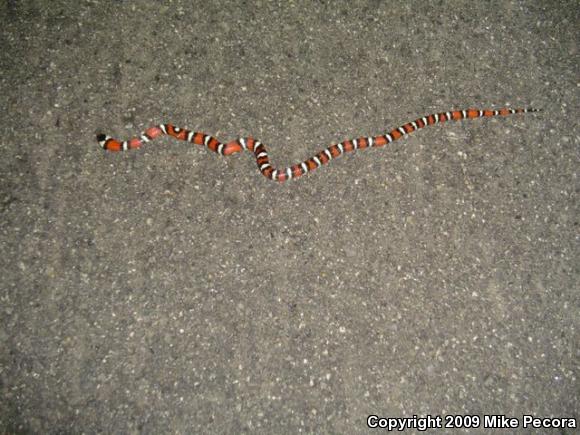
column 332, row 152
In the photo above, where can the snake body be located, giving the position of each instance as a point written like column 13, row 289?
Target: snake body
column 297, row 170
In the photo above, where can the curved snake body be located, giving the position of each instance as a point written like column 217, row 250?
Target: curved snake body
column 297, row 170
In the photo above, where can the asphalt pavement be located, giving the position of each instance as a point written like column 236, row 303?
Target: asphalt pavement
column 431, row 282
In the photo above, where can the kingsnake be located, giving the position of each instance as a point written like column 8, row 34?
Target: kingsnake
column 333, row 151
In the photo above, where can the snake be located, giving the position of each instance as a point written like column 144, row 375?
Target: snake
column 258, row 149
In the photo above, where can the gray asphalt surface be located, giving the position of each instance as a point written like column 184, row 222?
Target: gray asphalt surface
column 171, row 290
